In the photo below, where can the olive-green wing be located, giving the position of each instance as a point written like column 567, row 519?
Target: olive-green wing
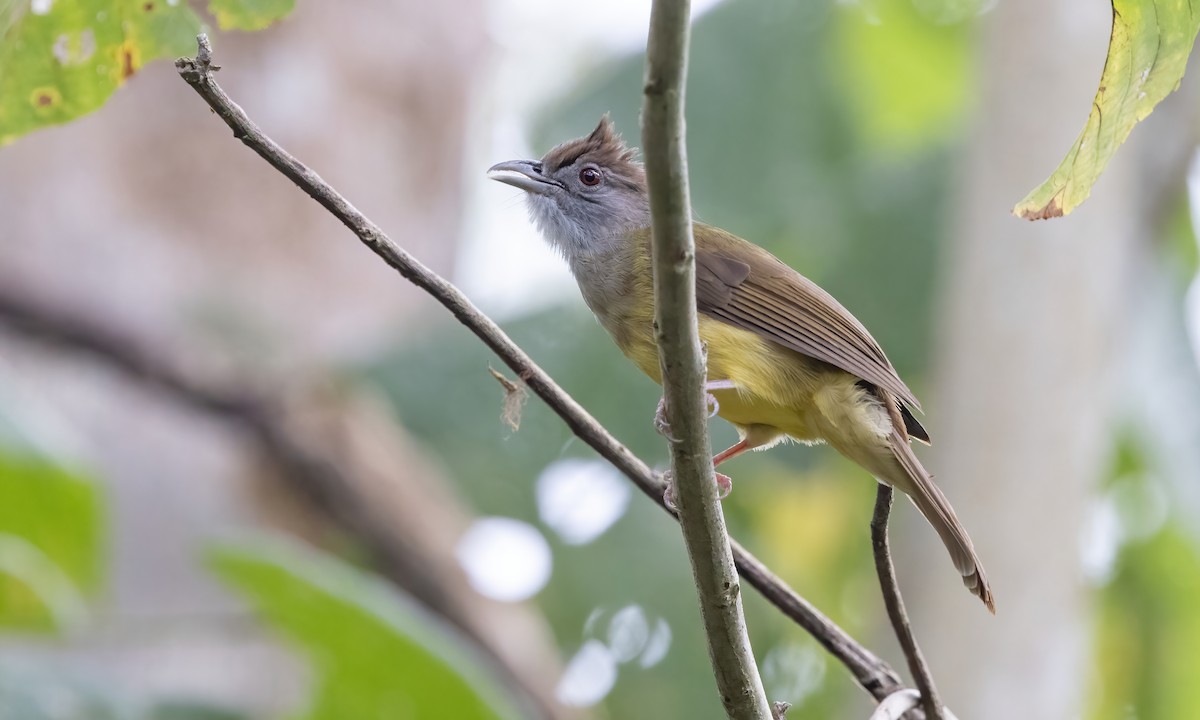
column 742, row 284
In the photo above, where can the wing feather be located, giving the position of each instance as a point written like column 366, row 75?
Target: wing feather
column 759, row 293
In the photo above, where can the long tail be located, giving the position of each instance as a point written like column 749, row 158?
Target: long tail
column 936, row 508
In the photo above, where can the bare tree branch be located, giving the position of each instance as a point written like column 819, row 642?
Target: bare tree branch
column 870, row 672
column 683, row 366
column 895, row 604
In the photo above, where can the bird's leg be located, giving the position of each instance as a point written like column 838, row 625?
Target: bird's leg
column 724, row 482
column 742, row 446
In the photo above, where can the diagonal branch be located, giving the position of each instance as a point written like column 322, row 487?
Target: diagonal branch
column 683, row 366
column 870, row 672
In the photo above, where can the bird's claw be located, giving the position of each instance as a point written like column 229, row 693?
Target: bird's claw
column 714, row 407
column 724, row 487
column 661, row 424
column 669, row 492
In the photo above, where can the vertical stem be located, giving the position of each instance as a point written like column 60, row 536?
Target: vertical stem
column 683, row 366
column 930, row 701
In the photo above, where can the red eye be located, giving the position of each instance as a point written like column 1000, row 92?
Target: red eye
column 589, row 176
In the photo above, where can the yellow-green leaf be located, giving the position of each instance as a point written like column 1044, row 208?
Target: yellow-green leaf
column 1147, row 54
column 51, row 542
column 63, row 58
column 249, row 14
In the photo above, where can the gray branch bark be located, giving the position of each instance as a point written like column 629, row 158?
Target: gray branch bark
column 683, row 366
column 895, row 604
column 874, row 675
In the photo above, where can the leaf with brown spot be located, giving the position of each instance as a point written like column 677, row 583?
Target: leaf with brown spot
column 69, row 57
column 1147, row 54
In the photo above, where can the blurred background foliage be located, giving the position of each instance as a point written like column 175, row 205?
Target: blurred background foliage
column 832, row 133
column 359, row 635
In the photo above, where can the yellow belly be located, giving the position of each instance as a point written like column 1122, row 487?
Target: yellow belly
column 777, row 388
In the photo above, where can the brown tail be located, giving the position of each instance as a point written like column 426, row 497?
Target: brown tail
column 936, row 508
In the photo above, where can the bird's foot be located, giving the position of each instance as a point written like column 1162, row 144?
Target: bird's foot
column 661, row 424
column 714, row 407
column 724, row 487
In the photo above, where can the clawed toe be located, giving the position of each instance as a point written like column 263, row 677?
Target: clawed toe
column 669, row 492
column 714, row 407
column 661, row 424
column 724, row 485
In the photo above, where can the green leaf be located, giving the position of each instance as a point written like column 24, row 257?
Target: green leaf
column 1147, row 54
column 51, row 531
column 249, row 14
column 376, row 654
column 63, row 58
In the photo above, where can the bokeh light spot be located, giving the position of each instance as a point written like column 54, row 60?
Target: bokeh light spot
column 628, row 633
column 580, row 499
column 505, row 559
column 589, row 676
column 658, row 644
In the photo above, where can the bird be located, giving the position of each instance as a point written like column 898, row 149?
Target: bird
column 785, row 360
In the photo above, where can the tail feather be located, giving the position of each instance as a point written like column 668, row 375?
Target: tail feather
column 937, row 510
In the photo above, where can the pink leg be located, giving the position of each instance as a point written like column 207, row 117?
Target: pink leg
column 729, row 454
column 724, row 482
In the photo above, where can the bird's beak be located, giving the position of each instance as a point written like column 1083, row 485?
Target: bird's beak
column 525, row 174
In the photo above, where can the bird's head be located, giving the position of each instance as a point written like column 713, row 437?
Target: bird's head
column 585, row 194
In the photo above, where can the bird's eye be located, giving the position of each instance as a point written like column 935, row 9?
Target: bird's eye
column 589, row 176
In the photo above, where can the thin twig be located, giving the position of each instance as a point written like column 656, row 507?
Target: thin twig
column 870, row 672
column 683, row 366
column 895, row 605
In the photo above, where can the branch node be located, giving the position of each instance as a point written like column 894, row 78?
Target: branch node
column 200, row 67
column 779, row 710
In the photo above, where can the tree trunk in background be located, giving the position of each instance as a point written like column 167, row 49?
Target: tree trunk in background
column 1031, row 315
